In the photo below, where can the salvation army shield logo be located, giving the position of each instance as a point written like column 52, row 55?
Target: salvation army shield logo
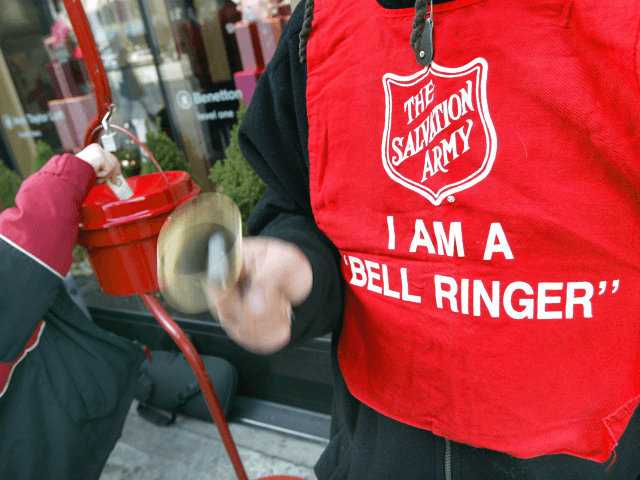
column 438, row 136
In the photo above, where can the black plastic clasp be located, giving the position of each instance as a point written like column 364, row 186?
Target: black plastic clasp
column 424, row 55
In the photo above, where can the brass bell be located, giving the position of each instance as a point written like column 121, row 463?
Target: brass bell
column 200, row 241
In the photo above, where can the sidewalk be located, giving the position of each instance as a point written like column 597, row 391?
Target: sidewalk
column 191, row 449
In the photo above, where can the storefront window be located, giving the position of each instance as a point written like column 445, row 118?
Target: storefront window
column 25, row 87
column 188, row 63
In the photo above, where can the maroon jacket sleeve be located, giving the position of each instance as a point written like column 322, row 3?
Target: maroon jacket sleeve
column 45, row 221
column 36, row 241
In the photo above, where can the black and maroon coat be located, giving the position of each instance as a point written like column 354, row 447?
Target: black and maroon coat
column 65, row 384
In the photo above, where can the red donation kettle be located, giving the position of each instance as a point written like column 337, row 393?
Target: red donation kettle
column 121, row 236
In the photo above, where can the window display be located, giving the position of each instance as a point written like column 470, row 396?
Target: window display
column 188, row 63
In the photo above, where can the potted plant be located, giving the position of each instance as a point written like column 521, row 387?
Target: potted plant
column 235, row 178
column 9, row 185
column 165, row 151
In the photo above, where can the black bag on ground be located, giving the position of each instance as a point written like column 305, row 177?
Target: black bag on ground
column 167, row 386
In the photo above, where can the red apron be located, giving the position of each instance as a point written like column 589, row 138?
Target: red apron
column 487, row 213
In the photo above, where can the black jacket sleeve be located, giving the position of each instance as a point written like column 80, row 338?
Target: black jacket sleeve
column 274, row 140
column 36, row 240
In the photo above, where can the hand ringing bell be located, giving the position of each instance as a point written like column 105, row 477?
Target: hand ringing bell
column 200, row 242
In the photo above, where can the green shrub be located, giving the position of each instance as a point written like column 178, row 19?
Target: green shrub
column 9, row 185
column 166, row 153
column 134, row 166
column 44, row 152
column 235, row 178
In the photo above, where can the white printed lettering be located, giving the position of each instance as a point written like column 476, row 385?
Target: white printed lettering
column 527, row 303
column 428, row 168
column 440, row 154
column 392, row 233
column 363, row 274
column 437, row 160
column 544, row 300
column 418, row 102
column 445, row 113
column 459, row 107
column 429, row 91
column 385, row 284
column 502, row 246
column 464, row 296
column 358, row 277
column 421, row 238
column 449, row 294
column 466, row 98
column 407, row 108
column 422, row 140
column 409, row 150
column 373, row 276
column 465, row 136
column 396, row 144
column 436, row 128
column 578, row 294
column 453, row 242
column 584, row 300
column 492, row 303
column 450, row 147
column 405, row 288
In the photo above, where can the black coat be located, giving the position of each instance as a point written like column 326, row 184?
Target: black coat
column 66, row 400
column 364, row 444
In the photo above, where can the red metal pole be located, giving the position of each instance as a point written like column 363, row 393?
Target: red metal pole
column 93, row 61
column 204, row 381
column 102, row 91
